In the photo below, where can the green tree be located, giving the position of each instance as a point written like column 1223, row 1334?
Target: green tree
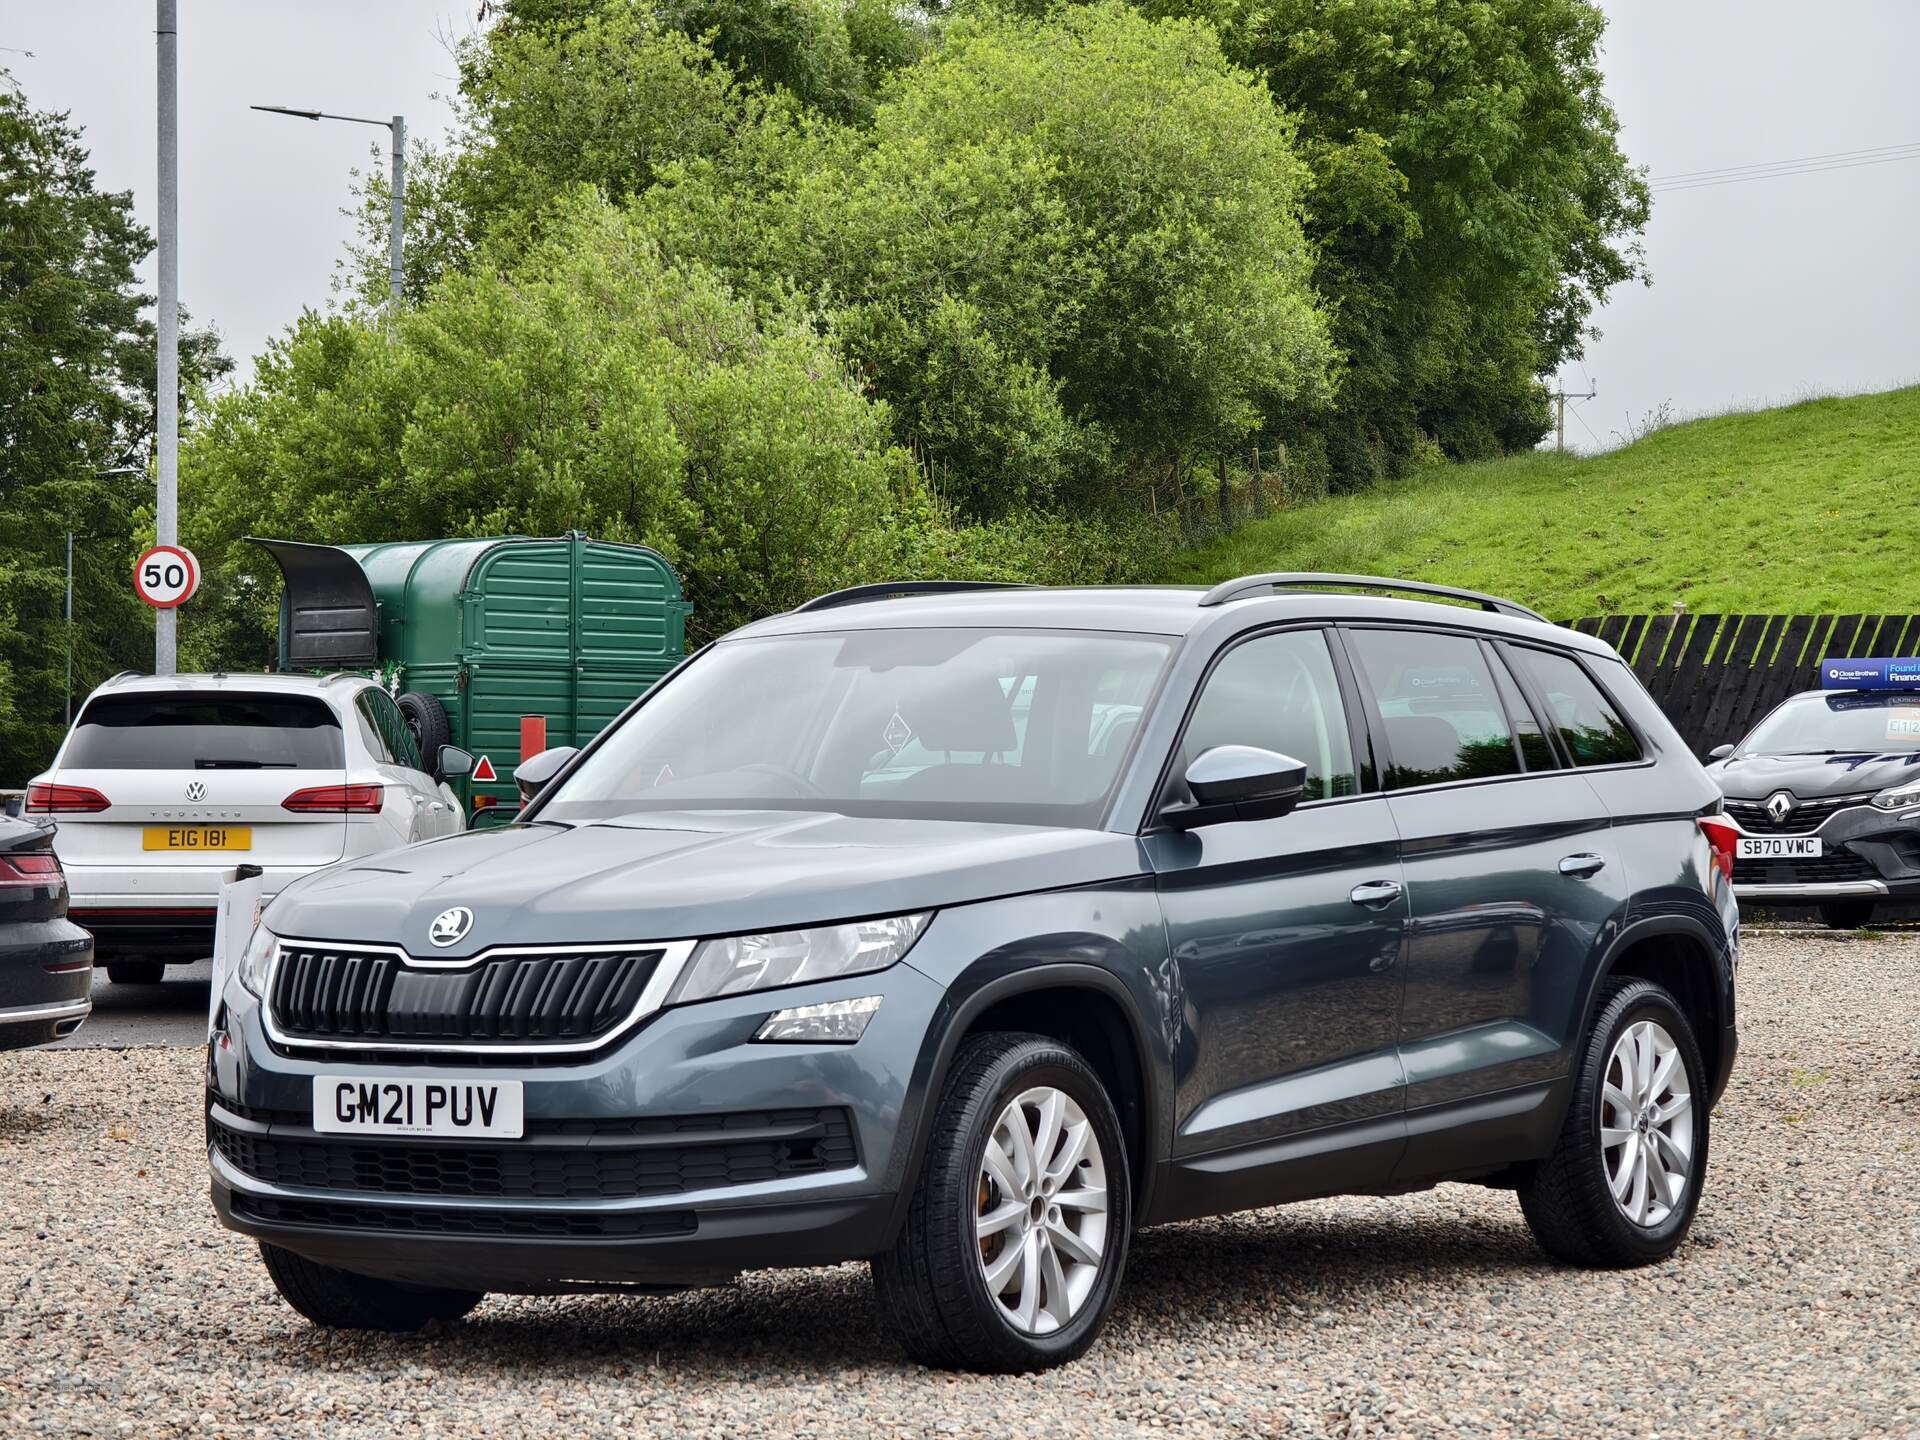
column 583, row 383
column 76, row 399
column 1471, row 204
column 552, row 96
column 608, row 92
column 1066, row 252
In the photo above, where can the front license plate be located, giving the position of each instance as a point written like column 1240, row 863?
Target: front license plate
column 197, row 837
column 1778, row 847
column 458, row 1109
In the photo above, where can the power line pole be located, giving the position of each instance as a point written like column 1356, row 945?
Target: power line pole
column 1560, row 398
column 167, row 396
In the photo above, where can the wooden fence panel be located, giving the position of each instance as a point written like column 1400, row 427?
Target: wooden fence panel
column 1716, row 675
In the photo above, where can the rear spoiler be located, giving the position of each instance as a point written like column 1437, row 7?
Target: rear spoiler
column 327, row 610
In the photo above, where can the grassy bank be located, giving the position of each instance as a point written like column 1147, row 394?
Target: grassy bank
column 1811, row 507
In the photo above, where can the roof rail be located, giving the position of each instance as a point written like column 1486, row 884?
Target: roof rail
column 118, row 676
column 854, row 594
column 1310, row 580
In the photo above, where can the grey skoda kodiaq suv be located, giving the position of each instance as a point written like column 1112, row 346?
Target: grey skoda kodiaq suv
column 966, row 929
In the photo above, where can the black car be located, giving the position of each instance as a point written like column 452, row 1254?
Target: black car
column 1826, row 794
column 966, row 930
column 46, row 961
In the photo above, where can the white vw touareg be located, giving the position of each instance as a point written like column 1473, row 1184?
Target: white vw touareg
column 165, row 784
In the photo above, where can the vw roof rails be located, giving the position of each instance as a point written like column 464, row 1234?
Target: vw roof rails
column 1310, row 580
column 886, row 589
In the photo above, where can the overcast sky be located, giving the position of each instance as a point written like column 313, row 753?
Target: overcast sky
column 1763, row 291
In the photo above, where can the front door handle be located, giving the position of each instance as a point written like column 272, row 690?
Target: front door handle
column 1376, row 894
column 1582, row 867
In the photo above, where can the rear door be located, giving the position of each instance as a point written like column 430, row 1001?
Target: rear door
column 1511, row 869
column 197, row 781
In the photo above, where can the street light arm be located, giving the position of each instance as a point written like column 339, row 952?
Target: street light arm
column 320, row 115
column 396, row 128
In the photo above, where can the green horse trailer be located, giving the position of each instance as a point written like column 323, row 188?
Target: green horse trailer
column 491, row 641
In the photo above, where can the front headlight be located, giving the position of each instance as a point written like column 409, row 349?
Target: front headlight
column 739, row 963
column 259, row 954
column 1900, row 797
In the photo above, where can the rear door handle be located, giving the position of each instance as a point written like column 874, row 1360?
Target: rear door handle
column 1582, row 867
column 1376, row 894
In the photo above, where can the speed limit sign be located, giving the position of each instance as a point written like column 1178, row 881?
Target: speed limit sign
column 166, row 576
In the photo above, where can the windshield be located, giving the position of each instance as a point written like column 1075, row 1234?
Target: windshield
column 1839, row 723
column 169, row 731
column 1006, row 726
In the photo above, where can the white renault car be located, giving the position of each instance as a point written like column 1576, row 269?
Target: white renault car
column 165, row 784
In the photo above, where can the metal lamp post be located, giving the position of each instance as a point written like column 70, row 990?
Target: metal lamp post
column 397, row 127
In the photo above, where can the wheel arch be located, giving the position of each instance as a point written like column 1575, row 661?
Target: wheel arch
column 1085, row 1006
column 1679, row 954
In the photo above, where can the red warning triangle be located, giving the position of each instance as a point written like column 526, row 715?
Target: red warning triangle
column 483, row 769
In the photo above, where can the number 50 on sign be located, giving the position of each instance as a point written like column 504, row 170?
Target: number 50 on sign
column 166, row 576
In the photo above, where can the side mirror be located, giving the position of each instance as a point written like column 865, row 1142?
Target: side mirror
column 452, row 763
column 1720, row 752
column 533, row 773
column 1238, row 782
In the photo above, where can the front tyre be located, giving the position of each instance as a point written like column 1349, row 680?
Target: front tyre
column 1017, row 1231
column 1621, row 1186
column 342, row 1300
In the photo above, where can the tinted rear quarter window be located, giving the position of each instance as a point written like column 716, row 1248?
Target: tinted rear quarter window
column 205, row 732
column 1589, row 726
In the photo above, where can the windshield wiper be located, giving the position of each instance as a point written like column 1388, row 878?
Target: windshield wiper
column 201, row 763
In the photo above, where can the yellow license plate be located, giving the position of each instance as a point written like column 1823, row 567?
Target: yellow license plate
column 197, row 837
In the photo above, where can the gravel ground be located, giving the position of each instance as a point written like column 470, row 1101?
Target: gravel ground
column 124, row 1309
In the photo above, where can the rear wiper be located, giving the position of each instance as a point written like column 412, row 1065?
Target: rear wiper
column 204, row 764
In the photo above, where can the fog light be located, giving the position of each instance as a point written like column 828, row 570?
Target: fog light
column 835, row 1022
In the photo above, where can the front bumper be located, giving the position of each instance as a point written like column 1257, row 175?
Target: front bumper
column 1867, row 854
column 46, row 981
column 710, row 1247
column 698, row 1218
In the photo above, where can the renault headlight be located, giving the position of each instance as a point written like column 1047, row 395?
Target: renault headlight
column 736, row 964
column 258, row 956
column 1900, row 797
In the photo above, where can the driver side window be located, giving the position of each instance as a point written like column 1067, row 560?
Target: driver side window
column 1278, row 692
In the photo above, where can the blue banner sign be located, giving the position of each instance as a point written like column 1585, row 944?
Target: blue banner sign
column 1841, row 674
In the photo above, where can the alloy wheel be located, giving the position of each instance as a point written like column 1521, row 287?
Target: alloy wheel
column 1646, row 1126
column 1042, row 1210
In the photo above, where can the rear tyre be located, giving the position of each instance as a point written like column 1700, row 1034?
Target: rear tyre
column 426, row 717
column 1621, row 1187
column 1846, row 914
column 136, row 972
column 1017, row 1230
column 342, row 1300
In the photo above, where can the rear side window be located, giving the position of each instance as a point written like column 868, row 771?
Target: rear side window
column 391, row 728
column 1439, row 706
column 205, row 732
column 1589, row 726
